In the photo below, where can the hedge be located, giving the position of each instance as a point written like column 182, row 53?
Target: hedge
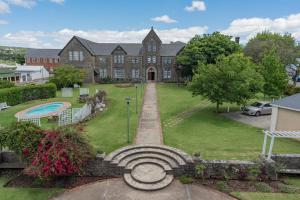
column 17, row 95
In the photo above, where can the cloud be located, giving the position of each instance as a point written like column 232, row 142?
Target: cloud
column 57, row 1
column 164, row 19
column 4, row 8
column 196, row 6
column 247, row 28
column 22, row 3
column 57, row 39
column 3, row 22
column 5, row 4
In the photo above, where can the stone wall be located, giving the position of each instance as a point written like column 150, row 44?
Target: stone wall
column 287, row 161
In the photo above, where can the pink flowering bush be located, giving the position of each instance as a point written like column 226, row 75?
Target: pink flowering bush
column 61, row 152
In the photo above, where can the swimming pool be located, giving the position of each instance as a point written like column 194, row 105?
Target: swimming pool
column 44, row 110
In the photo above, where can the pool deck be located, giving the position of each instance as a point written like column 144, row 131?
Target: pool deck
column 22, row 114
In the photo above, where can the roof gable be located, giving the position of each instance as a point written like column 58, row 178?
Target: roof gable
column 152, row 34
column 85, row 43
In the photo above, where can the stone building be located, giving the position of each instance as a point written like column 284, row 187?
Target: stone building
column 150, row 60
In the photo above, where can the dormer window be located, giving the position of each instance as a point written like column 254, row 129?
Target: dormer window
column 152, row 46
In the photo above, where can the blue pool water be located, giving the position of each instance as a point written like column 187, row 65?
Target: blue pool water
column 45, row 109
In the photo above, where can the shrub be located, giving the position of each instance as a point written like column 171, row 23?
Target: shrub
column 288, row 188
column 291, row 90
column 185, row 179
column 22, row 138
column 200, row 169
column 62, row 152
column 17, row 95
column 222, row 186
column 6, row 84
column 263, row 187
column 67, row 76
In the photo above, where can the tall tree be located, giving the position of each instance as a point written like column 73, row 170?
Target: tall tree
column 232, row 79
column 66, row 76
column 205, row 49
column 284, row 45
column 274, row 74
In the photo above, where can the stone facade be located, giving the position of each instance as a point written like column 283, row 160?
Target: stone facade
column 126, row 62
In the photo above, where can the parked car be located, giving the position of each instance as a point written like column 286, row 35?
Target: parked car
column 258, row 108
column 298, row 79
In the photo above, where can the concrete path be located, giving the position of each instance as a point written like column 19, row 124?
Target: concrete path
column 116, row 189
column 149, row 130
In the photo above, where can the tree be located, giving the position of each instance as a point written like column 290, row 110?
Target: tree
column 67, row 76
column 274, row 74
column 285, row 46
column 232, row 79
column 205, row 49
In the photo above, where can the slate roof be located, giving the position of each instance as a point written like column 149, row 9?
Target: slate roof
column 42, row 53
column 171, row 49
column 291, row 102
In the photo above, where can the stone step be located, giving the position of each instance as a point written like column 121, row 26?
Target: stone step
column 170, row 161
column 178, row 152
column 148, row 186
column 167, row 168
column 166, row 153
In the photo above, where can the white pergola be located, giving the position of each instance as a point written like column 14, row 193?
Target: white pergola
column 277, row 134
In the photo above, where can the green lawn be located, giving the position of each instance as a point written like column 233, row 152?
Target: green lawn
column 265, row 196
column 204, row 131
column 108, row 130
column 25, row 193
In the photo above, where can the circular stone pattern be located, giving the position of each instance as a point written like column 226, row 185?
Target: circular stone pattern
column 148, row 173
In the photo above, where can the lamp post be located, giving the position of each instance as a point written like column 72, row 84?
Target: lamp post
column 136, row 98
column 127, row 100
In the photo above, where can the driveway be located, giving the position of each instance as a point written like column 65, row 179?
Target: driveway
column 116, row 189
column 262, row 122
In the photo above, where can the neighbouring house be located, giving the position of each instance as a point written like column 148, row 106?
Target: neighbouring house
column 43, row 57
column 286, row 114
column 32, row 73
column 9, row 75
column 150, row 60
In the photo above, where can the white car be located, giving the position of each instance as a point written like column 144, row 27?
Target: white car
column 258, row 108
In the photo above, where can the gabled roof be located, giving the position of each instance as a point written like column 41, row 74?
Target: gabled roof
column 171, row 49
column 291, row 102
column 42, row 53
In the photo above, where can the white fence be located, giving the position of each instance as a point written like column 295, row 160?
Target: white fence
column 34, row 120
column 67, row 92
column 74, row 115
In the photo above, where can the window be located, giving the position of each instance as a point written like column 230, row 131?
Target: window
column 149, row 47
column 135, row 60
column 149, row 59
column 167, row 60
column 103, row 73
column 70, row 55
column 119, row 59
column 167, row 73
column 135, row 73
column 153, row 59
column 76, row 56
column 119, row 73
column 153, row 47
column 102, row 60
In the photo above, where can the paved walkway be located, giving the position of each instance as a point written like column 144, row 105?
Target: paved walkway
column 116, row 189
column 149, row 130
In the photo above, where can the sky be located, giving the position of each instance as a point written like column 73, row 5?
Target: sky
column 51, row 23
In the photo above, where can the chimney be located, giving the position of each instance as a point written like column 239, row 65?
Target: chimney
column 237, row 40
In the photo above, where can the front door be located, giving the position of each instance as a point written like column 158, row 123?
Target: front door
column 151, row 76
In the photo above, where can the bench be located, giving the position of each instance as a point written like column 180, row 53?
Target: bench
column 3, row 106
